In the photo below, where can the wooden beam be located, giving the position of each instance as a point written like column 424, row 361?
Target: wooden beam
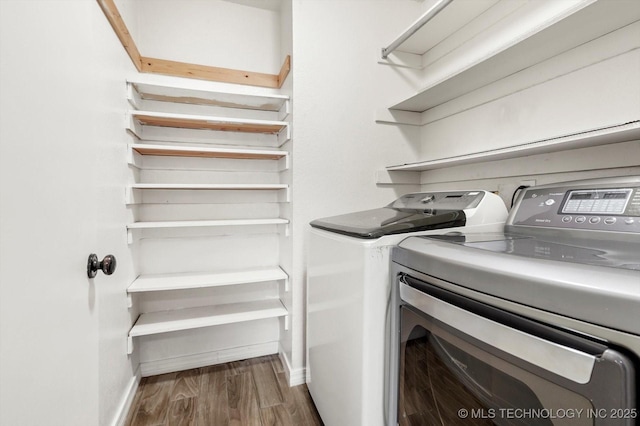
column 117, row 23
column 184, row 69
column 284, row 71
column 205, row 72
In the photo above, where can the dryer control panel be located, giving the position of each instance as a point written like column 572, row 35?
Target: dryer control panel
column 606, row 205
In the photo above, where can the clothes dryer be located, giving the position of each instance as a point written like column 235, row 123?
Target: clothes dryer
column 538, row 324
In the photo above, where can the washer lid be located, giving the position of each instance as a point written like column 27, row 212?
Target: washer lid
column 418, row 211
column 387, row 221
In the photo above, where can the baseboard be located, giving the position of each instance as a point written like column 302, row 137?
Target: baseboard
column 187, row 362
column 295, row 377
column 127, row 400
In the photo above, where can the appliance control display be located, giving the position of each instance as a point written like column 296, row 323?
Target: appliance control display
column 610, row 202
column 614, row 207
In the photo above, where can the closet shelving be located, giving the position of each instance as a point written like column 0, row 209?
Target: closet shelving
column 203, row 152
column 614, row 134
column 225, row 111
column 143, row 122
column 204, row 316
column 501, row 50
column 536, row 40
column 206, row 122
column 174, row 224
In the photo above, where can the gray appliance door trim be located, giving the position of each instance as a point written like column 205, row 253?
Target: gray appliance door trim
column 599, row 295
column 560, row 360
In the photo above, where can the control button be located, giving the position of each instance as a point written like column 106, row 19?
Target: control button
column 550, row 202
column 594, row 220
column 580, row 219
column 628, row 221
column 610, row 220
column 566, row 219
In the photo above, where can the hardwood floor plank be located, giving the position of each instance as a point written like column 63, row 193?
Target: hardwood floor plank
column 276, row 363
column 154, row 402
column 267, row 388
column 223, row 395
column 182, row 412
column 303, row 400
column 276, row 415
column 213, row 405
column 243, row 402
column 300, row 406
column 187, row 384
column 244, row 366
column 134, row 405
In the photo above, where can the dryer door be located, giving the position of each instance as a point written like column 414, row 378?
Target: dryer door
column 463, row 361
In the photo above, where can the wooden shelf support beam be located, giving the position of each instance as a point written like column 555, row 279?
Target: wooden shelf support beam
column 184, row 69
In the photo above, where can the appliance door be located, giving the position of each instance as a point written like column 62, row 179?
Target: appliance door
column 462, row 362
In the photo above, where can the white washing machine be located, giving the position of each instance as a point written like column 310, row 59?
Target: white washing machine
column 348, row 291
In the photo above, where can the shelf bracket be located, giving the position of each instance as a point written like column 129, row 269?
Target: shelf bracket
column 132, row 196
column 284, row 111
column 284, row 163
column 129, row 301
column 285, row 195
column 129, row 345
column 287, row 285
column 284, row 135
column 132, row 126
column 133, row 96
column 426, row 17
column 286, row 322
column 132, row 236
column 133, row 158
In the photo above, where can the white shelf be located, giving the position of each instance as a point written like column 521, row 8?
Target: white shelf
column 206, row 223
column 211, row 186
column 132, row 196
column 206, row 316
column 177, row 93
column 614, row 134
column 204, row 152
column 137, row 226
column 520, row 47
column 192, row 280
column 206, row 122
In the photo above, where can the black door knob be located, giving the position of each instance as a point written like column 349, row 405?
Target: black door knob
column 107, row 265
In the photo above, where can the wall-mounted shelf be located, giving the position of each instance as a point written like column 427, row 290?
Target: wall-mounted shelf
column 144, row 125
column 192, row 280
column 139, row 92
column 614, row 134
column 203, row 152
column 211, row 186
column 137, row 151
column 509, row 47
column 202, row 224
column 204, row 122
column 207, row 316
column 132, row 195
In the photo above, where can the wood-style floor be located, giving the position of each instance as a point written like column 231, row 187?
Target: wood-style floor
column 251, row 392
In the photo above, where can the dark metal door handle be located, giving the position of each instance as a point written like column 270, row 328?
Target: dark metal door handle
column 107, row 265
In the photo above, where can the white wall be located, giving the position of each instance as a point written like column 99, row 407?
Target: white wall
column 337, row 146
column 215, row 33
column 63, row 172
